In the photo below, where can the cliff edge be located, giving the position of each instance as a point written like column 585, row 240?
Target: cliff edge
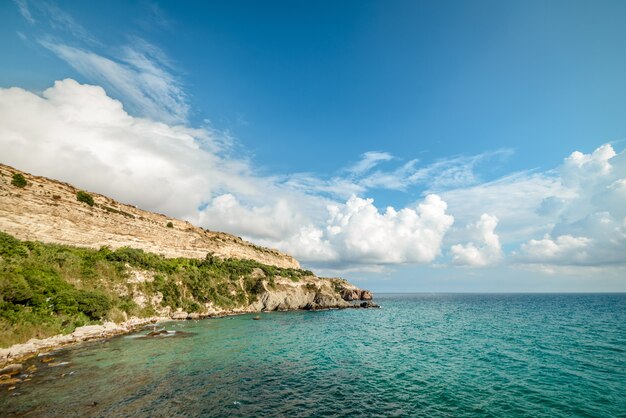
column 48, row 211
column 76, row 266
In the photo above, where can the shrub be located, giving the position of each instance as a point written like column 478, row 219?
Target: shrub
column 46, row 289
column 84, row 197
column 14, row 289
column 19, row 180
column 12, row 247
column 93, row 304
column 170, row 225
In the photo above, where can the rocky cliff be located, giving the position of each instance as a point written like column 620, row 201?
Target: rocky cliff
column 47, row 210
column 76, row 266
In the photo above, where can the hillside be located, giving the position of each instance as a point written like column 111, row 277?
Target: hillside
column 48, row 211
column 47, row 289
column 82, row 267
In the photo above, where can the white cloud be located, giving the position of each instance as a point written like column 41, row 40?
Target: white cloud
column 590, row 227
column 365, row 175
column 564, row 248
column 517, row 200
column 368, row 161
column 138, row 73
column 140, row 77
column 337, row 187
column 272, row 221
column 583, row 170
column 579, row 209
column 355, row 233
column 485, row 248
column 76, row 133
column 446, row 173
column 360, row 233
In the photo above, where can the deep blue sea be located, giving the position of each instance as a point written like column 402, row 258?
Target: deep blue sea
column 501, row 355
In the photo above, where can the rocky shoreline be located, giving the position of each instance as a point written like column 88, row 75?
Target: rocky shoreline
column 12, row 357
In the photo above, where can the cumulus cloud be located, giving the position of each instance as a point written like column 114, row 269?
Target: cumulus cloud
column 590, row 228
column 270, row 222
column 572, row 215
column 77, row 133
column 485, row 248
column 357, row 233
column 564, row 248
column 517, row 200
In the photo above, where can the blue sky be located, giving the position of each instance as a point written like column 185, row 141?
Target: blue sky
column 461, row 116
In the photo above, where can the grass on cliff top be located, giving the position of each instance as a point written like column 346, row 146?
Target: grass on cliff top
column 47, row 289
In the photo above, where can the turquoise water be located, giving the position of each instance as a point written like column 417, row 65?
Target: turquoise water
column 420, row 355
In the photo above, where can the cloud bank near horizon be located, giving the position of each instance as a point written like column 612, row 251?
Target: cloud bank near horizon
column 571, row 216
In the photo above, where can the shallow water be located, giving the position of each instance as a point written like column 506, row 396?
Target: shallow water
column 421, row 355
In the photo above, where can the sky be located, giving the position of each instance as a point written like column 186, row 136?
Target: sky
column 409, row 146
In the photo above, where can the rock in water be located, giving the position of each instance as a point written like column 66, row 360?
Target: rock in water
column 156, row 333
column 11, row 369
column 366, row 295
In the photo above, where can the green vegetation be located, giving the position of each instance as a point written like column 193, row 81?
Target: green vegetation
column 170, row 225
column 46, row 289
column 84, row 197
column 19, row 180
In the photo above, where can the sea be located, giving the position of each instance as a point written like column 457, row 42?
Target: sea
column 420, row 355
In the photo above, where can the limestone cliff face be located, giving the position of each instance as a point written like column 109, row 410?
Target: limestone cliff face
column 47, row 210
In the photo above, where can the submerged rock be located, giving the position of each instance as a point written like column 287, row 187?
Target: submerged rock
column 368, row 304
column 167, row 334
column 11, row 369
column 10, row 382
column 156, row 333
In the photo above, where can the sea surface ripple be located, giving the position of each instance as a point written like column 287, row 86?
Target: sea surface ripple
column 420, row 355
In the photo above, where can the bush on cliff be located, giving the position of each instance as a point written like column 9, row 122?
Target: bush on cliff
column 84, row 197
column 19, row 180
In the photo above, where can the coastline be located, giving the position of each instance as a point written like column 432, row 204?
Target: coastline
column 18, row 353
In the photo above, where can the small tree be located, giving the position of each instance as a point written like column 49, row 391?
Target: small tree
column 170, row 225
column 84, row 197
column 19, row 180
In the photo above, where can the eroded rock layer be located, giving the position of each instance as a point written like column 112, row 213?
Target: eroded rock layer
column 48, row 210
